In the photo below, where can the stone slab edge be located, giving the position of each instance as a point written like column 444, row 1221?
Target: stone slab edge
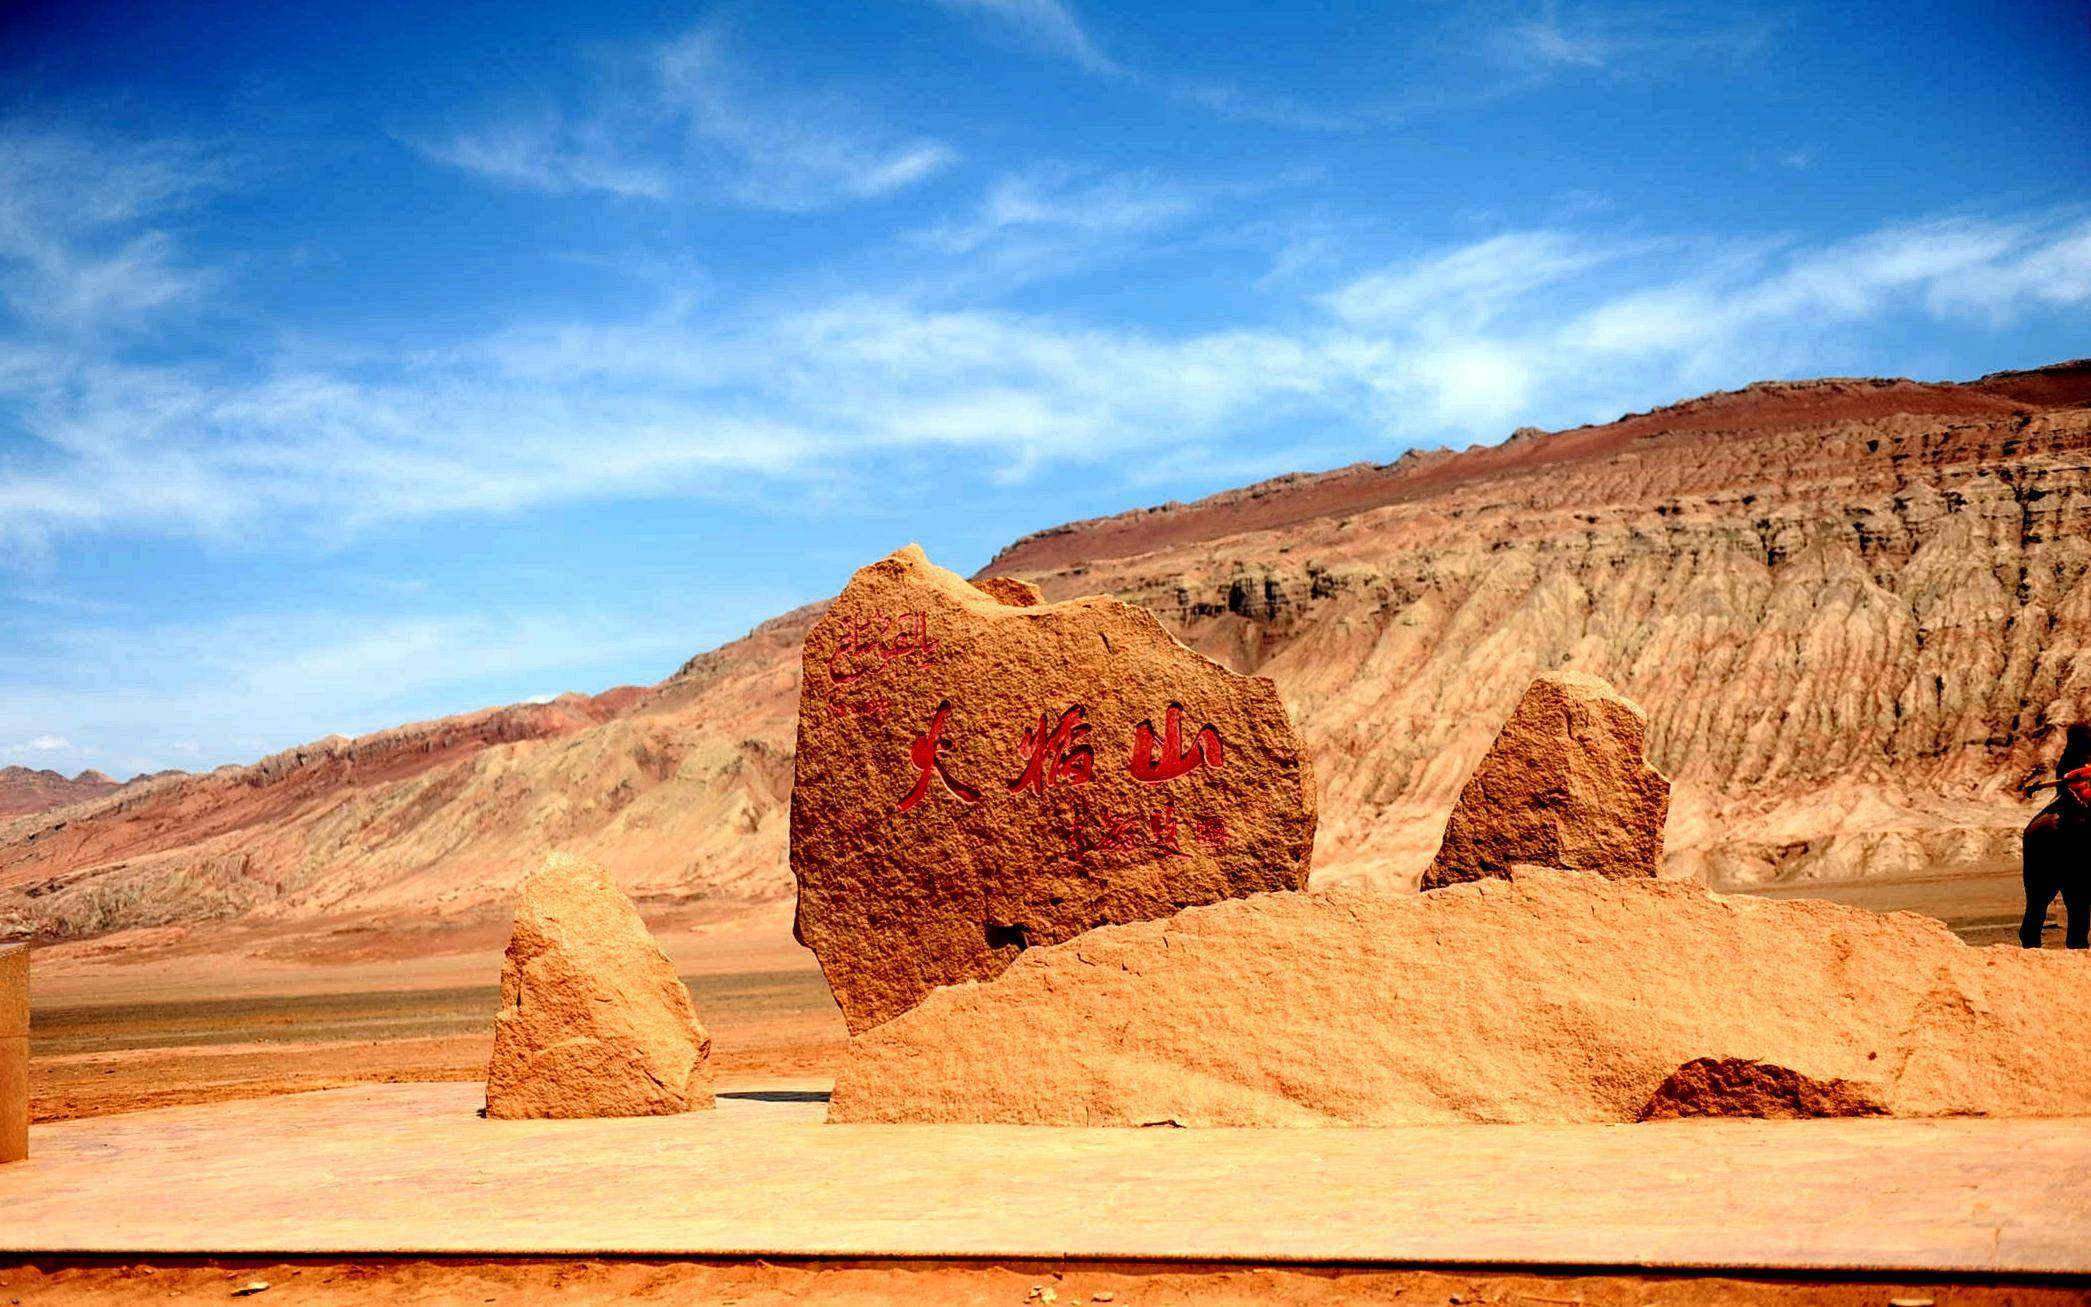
column 1450, row 1256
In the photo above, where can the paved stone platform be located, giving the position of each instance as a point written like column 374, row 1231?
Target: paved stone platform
column 411, row 1169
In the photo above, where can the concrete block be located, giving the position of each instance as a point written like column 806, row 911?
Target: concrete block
column 14, row 1098
column 14, row 990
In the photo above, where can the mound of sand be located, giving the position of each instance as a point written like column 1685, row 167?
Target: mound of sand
column 1550, row 997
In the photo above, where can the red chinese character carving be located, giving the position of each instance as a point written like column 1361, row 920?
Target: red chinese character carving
column 1076, row 844
column 1174, row 759
column 1055, row 754
column 1120, row 832
column 1211, row 832
column 1163, row 824
column 926, row 751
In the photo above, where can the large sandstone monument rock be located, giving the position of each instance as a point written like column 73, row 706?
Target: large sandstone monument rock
column 14, row 1052
column 593, row 1020
column 1551, row 997
column 1566, row 784
column 979, row 773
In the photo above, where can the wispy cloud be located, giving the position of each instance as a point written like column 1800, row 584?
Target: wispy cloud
column 687, row 119
column 1053, row 200
column 1466, row 341
column 1468, row 287
column 1052, row 29
column 792, row 394
column 1048, row 26
column 547, row 152
column 1536, row 40
column 1577, row 326
column 76, row 251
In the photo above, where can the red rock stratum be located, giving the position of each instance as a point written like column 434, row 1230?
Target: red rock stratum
column 1855, row 612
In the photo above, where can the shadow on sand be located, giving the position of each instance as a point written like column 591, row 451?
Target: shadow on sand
column 779, row 1095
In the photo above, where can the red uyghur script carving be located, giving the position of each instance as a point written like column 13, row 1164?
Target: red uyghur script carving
column 1173, row 759
column 926, row 751
column 871, row 644
column 1056, row 754
column 873, row 707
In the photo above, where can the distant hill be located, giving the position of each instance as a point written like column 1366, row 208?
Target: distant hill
column 23, row 790
column 1856, row 610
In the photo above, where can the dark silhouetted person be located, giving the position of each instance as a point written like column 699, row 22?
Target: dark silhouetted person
column 2058, row 848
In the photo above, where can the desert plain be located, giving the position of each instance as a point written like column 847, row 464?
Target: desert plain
column 114, row 1036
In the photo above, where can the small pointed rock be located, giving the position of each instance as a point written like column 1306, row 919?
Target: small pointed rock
column 1566, row 784
column 594, row 1021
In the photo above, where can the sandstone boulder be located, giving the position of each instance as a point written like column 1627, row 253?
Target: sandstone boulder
column 979, row 772
column 1566, row 784
column 1553, row 997
column 593, row 1021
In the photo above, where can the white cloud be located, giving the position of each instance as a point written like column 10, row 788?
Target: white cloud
column 1533, row 40
column 821, row 392
column 1047, row 25
column 1545, row 325
column 1051, row 28
column 1055, row 201
column 43, row 744
column 76, row 254
column 686, row 118
column 1558, row 326
column 546, row 153
column 1466, row 287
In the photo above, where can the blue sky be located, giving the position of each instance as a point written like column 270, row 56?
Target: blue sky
column 365, row 363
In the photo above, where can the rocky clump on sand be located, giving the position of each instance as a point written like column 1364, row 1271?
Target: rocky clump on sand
column 979, row 772
column 1741, row 1086
column 593, row 1021
column 1566, row 784
column 1551, row 997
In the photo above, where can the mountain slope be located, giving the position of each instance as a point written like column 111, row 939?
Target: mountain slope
column 1855, row 609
